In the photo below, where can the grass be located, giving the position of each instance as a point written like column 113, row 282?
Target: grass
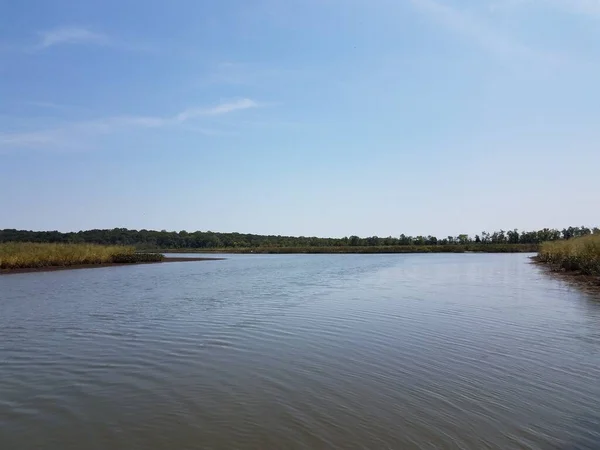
column 25, row 255
column 474, row 247
column 579, row 254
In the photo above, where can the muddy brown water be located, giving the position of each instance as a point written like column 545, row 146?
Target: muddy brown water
column 300, row 352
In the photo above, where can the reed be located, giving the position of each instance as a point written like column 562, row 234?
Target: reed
column 25, row 255
column 467, row 248
column 580, row 254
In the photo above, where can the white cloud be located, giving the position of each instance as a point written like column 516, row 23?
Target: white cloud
column 60, row 108
column 482, row 32
column 471, row 26
column 70, row 35
column 587, row 7
column 75, row 134
column 49, row 105
column 223, row 108
column 31, row 139
column 252, row 74
column 584, row 6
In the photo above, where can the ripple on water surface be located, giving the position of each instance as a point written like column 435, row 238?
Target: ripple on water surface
column 300, row 351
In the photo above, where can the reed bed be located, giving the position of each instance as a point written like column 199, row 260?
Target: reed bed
column 455, row 248
column 25, row 255
column 580, row 254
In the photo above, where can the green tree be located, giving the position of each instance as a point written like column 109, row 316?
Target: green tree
column 463, row 239
column 513, row 236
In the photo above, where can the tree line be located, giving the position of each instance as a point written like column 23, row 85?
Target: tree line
column 149, row 239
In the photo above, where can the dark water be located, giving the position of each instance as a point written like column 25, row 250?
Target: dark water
column 300, row 352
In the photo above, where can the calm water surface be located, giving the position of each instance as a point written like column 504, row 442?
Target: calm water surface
column 300, row 352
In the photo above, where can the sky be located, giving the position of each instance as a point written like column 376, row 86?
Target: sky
column 300, row 117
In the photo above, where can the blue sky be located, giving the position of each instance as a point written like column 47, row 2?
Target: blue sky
column 300, row 117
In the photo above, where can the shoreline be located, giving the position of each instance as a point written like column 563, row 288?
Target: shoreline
column 403, row 249
column 98, row 266
column 571, row 276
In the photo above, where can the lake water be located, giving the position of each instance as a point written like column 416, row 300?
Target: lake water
column 300, row 352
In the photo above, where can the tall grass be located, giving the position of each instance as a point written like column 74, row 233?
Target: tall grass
column 21, row 255
column 480, row 248
column 579, row 254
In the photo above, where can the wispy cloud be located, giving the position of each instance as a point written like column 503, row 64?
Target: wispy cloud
column 586, row 7
column 78, row 35
column 51, row 106
column 223, row 108
column 473, row 27
column 583, row 6
column 30, row 139
column 71, row 35
column 76, row 134
column 252, row 74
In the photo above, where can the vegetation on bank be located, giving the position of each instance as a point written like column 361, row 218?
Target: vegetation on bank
column 481, row 248
column 581, row 254
column 26, row 255
column 207, row 240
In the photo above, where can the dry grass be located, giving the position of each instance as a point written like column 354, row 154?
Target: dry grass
column 31, row 255
column 580, row 254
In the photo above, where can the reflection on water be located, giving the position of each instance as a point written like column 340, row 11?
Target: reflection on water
column 300, row 351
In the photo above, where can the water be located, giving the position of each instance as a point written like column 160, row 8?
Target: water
column 300, row 352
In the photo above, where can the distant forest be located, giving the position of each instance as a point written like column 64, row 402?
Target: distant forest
column 147, row 239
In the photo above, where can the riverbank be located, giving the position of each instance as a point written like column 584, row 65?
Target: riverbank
column 575, row 277
column 100, row 265
column 580, row 254
column 34, row 257
column 467, row 248
column 576, row 259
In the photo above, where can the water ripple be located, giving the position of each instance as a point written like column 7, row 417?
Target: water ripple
column 301, row 351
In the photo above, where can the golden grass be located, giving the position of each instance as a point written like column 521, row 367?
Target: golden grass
column 579, row 254
column 17, row 255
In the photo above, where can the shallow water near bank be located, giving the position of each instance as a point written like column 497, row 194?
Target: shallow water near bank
column 437, row 351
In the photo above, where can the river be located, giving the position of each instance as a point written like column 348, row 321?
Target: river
column 440, row 351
